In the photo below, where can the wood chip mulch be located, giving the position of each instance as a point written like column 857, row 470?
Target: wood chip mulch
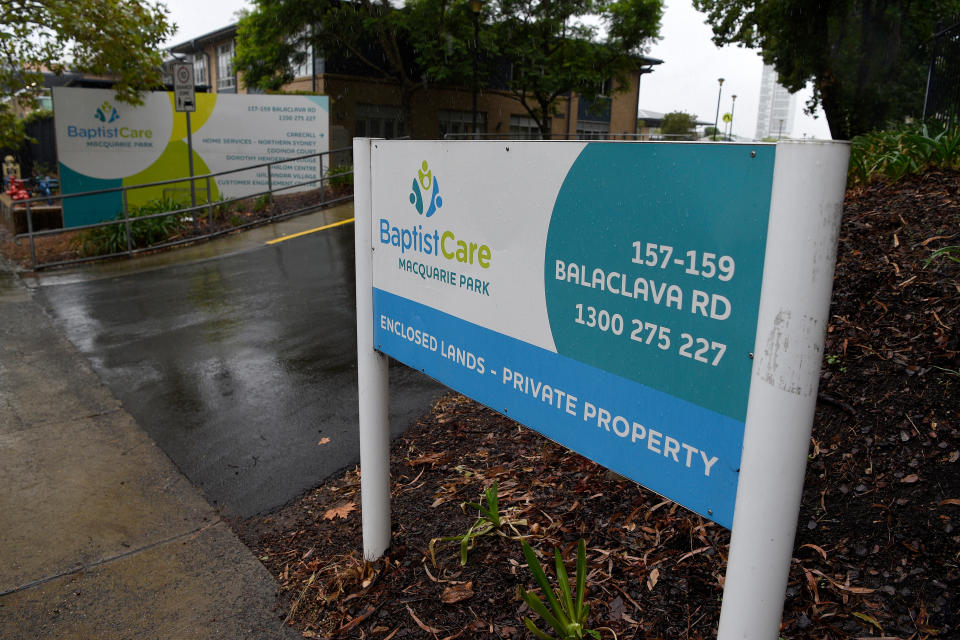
column 878, row 538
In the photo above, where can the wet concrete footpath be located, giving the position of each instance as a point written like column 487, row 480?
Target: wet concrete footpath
column 100, row 535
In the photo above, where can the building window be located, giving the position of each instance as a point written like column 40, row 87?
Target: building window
column 460, row 123
column 302, row 69
column 226, row 80
column 379, row 121
column 525, row 128
column 593, row 130
column 200, row 69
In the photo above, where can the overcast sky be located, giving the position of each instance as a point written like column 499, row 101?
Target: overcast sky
column 686, row 81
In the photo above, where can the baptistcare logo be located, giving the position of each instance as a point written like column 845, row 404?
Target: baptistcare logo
column 425, row 192
column 106, row 113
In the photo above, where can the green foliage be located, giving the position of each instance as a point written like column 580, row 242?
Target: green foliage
column 867, row 60
column 43, row 169
column 340, row 176
column 38, row 114
column 950, row 253
column 490, row 521
column 121, row 38
column 109, row 239
column 678, row 123
column 490, row 510
column 567, row 614
column 553, row 50
column 911, row 149
column 261, row 203
column 277, row 35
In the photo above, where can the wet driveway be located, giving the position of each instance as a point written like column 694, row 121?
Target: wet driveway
column 240, row 367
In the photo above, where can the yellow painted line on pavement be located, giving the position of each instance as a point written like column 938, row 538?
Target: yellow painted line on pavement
column 309, row 231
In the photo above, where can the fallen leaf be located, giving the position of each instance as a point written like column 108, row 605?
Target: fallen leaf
column 843, row 587
column 693, row 553
column 341, row 511
column 425, row 627
column 430, row 458
column 816, row 548
column 910, row 479
column 869, row 619
column 617, row 609
column 955, row 501
column 931, row 239
column 652, row 579
column 323, row 441
column 457, row 593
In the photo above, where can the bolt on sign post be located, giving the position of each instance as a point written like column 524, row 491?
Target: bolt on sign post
column 657, row 307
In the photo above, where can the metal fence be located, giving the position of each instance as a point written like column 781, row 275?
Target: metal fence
column 570, row 136
column 942, row 100
column 204, row 217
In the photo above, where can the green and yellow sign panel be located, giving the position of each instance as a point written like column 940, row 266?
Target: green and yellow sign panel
column 104, row 144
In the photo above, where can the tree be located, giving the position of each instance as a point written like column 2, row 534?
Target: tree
column 116, row 38
column 678, row 123
column 431, row 41
column 866, row 59
column 552, row 51
column 424, row 41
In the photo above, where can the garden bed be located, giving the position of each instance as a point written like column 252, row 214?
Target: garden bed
column 879, row 528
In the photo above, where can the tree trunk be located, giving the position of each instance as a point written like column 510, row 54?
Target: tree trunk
column 831, row 101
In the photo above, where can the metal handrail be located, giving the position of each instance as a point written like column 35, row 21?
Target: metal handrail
column 585, row 137
column 191, row 210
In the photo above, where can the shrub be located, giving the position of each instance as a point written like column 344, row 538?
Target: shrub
column 110, row 239
column 261, row 203
column 340, row 177
column 911, row 149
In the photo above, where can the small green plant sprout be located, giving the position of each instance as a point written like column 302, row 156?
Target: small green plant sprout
column 489, row 521
column 489, row 512
column 261, row 203
column 832, row 358
column 567, row 616
column 950, row 253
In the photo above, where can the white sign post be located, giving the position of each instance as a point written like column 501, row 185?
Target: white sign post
column 658, row 308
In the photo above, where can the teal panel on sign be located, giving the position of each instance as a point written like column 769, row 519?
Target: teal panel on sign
column 89, row 209
column 653, row 266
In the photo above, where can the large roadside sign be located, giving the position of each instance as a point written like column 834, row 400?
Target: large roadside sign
column 658, row 308
column 616, row 316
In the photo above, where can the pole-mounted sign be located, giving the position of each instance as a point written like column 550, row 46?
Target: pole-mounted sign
column 183, row 89
column 658, row 308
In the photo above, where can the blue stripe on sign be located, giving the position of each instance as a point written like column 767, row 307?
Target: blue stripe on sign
column 680, row 450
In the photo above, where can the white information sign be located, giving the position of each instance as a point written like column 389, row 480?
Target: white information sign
column 658, row 308
column 103, row 144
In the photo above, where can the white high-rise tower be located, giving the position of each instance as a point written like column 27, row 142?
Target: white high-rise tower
column 775, row 115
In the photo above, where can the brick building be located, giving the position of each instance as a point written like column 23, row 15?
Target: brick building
column 363, row 105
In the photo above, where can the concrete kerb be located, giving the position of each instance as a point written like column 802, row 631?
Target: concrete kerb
column 101, row 535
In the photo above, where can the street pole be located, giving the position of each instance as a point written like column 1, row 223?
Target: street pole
column 475, row 6
column 733, row 105
column 716, row 118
